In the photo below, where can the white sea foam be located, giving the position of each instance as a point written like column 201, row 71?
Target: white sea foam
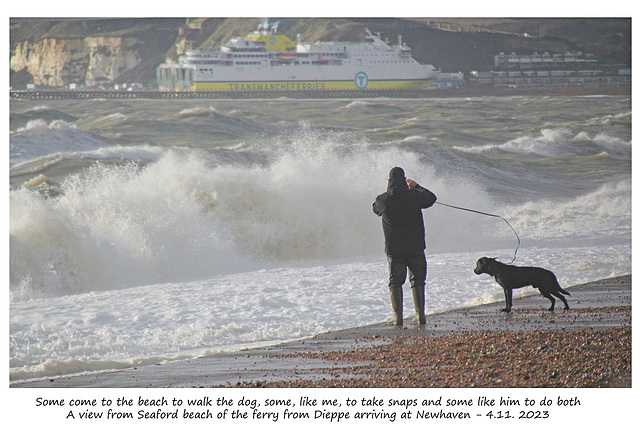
column 197, row 111
column 605, row 212
column 164, row 322
column 356, row 104
column 162, row 252
column 557, row 143
column 183, row 218
column 551, row 142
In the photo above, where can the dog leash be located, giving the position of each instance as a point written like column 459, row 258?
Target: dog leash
column 490, row 215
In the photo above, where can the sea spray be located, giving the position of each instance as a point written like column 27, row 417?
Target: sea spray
column 184, row 217
column 114, row 226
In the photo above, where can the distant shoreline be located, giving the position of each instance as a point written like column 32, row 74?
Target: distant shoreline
column 467, row 91
column 476, row 91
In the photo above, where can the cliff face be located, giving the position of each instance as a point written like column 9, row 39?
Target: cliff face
column 92, row 60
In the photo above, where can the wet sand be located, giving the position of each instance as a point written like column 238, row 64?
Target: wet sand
column 586, row 346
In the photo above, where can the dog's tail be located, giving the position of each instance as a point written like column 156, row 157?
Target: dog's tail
column 564, row 291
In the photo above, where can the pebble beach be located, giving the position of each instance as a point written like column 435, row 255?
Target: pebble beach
column 588, row 346
column 576, row 348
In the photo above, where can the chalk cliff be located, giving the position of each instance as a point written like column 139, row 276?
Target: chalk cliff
column 91, row 60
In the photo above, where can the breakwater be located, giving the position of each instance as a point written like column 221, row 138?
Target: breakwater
column 336, row 94
column 156, row 94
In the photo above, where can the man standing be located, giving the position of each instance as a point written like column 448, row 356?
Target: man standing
column 401, row 210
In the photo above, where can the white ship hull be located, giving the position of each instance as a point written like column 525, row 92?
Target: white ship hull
column 266, row 62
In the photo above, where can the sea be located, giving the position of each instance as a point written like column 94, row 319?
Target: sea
column 150, row 231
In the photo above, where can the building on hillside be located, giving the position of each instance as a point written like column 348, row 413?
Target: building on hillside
column 550, row 70
column 576, row 60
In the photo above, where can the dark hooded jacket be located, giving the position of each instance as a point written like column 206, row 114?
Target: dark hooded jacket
column 401, row 212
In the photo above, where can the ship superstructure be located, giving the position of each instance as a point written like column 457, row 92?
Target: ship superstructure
column 268, row 61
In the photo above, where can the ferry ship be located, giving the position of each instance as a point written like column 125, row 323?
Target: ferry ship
column 266, row 61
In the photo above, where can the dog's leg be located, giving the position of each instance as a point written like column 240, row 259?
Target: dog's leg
column 547, row 295
column 562, row 298
column 508, row 295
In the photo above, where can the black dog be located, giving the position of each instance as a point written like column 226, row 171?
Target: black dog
column 513, row 277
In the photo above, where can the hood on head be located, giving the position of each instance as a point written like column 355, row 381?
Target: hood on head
column 397, row 182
